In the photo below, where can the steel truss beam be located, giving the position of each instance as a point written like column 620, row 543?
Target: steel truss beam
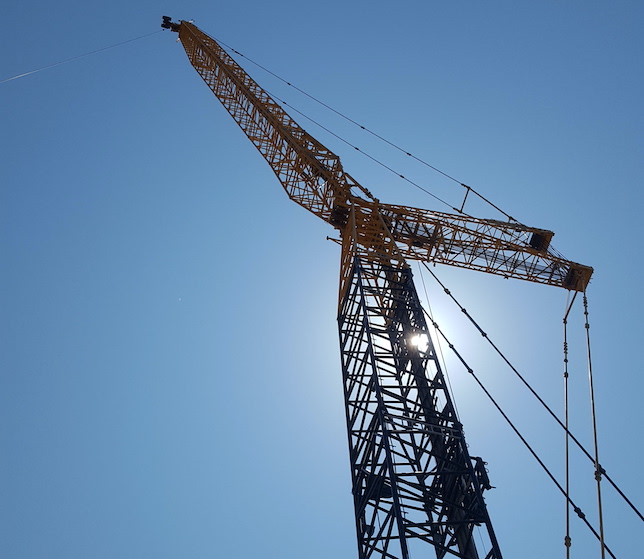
column 313, row 177
column 415, row 486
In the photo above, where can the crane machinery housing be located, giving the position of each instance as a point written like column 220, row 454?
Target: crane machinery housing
column 414, row 484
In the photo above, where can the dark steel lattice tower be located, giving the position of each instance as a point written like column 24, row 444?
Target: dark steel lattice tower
column 414, row 483
column 415, row 487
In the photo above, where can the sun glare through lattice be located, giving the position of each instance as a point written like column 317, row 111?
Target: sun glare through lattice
column 420, row 341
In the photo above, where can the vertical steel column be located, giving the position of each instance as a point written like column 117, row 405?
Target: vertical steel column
column 414, row 484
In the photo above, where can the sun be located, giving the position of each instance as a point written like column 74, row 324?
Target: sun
column 420, row 341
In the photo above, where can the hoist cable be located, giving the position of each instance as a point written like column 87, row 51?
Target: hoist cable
column 79, row 56
column 598, row 469
column 567, row 539
column 545, row 468
column 536, row 395
column 378, row 136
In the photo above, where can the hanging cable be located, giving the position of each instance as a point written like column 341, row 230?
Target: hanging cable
column 545, row 468
column 567, row 539
column 539, row 399
column 79, row 56
column 598, row 468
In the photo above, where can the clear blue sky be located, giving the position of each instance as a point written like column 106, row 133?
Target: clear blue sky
column 169, row 377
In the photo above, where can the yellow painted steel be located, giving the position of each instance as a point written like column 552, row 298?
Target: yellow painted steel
column 313, row 176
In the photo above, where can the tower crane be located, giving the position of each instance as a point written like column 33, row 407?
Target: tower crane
column 415, row 487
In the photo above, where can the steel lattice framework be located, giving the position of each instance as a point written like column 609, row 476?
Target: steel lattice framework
column 313, row 177
column 415, row 487
column 414, row 483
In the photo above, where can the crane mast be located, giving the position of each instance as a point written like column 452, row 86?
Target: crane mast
column 415, row 487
